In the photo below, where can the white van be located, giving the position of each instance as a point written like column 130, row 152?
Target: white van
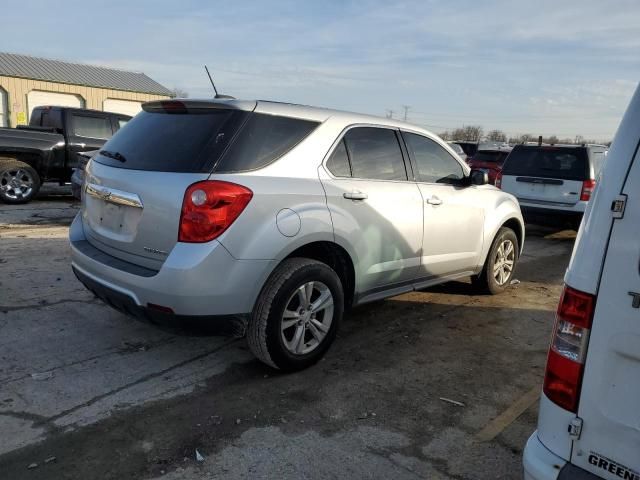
column 589, row 421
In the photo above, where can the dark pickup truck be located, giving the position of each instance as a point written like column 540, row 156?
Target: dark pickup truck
column 47, row 149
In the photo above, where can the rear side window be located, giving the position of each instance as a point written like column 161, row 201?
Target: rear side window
column 172, row 142
column 262, row 140
column 338, row 163
column 91, row 127
column 375, row 153
column 435, row 164
column 548, row 162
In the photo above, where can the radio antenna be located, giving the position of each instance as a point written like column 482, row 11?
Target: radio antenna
column 211, row 80
column 225, row 97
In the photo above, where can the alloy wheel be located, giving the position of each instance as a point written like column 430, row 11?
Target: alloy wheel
column 16, row 184
column 505, row 259
column 307, row 318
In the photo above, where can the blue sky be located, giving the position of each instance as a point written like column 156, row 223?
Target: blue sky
column 546, row 67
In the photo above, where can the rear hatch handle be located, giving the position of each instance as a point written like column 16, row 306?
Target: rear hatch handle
column 112, row 195
column 543, row 181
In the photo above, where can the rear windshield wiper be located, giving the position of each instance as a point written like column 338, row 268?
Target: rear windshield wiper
column 115, row 155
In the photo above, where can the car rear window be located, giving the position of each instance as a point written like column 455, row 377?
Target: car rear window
column 263, row 139
column 490, row 157
column 171, row 142
column 548, row 162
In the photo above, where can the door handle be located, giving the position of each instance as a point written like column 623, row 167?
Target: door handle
column 434, row 201
column 355, row 195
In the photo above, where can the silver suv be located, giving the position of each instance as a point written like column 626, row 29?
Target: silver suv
column 278, row 217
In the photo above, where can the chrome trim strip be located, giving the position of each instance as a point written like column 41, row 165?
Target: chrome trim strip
column 112, row 195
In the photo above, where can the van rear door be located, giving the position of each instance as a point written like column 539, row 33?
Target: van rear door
column 546, row 175
column 609, row 444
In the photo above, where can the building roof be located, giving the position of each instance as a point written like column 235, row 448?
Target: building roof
column 35, row 68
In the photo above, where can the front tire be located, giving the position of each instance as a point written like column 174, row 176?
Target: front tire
column 297, row 315
column 500, row 265
column 19, row 183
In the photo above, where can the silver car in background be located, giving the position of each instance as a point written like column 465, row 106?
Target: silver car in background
column 278, row 217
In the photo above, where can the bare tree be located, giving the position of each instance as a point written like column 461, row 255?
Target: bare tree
column 497, row 136
column 446, row 135
column 177, row 92
column 473, row 133
column 458, row 134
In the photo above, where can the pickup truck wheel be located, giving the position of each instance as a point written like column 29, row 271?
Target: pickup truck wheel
column 500, row 265
column 19, row 183
column 297, row 314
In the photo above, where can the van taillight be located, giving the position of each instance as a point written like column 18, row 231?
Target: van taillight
column 587, row 190
column 565, row 363
column 209, row 208
column 498, row 182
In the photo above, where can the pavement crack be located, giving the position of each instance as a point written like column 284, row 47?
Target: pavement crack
column 8, row 308
column 143, row 379
column 32, row 417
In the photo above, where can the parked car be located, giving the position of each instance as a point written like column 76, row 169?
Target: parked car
column 77, row 177
column 469, row 148
column 47, row 149
column 490, row 159
column 278, row 217
column 458, row 149
column 589, row 425
column 552, row 182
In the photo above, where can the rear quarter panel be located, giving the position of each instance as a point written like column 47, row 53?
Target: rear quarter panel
column 289, row 183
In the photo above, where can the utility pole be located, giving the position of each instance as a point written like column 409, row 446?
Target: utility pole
column 406, row 111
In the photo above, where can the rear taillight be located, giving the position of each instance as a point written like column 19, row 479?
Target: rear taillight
column 565, row 363
column 498, row 182
column 587, row 190
column 209, row 208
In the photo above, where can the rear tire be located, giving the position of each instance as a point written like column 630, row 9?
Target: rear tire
column 19, row 182
column 500, row 265
column 297, row 315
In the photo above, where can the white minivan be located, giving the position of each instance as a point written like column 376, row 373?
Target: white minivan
column 589, row 421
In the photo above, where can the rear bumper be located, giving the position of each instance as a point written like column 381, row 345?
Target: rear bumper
column 196, row 280
column 542, row 464
column 551, row 216
column 539, row 462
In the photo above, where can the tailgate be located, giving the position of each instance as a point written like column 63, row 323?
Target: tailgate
column 543, row 190
column 134, row 215
column 546, row 174
column 610, row 398
column 135, row 186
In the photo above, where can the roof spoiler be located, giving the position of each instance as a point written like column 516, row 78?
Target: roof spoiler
column 188, row 105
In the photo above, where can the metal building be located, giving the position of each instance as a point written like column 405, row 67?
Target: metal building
column 27, row 82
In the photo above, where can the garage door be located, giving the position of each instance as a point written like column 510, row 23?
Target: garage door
column 126, row 107
column 3, row 108
column 37, row 98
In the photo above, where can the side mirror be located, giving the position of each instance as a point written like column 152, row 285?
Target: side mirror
column 479, row 177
